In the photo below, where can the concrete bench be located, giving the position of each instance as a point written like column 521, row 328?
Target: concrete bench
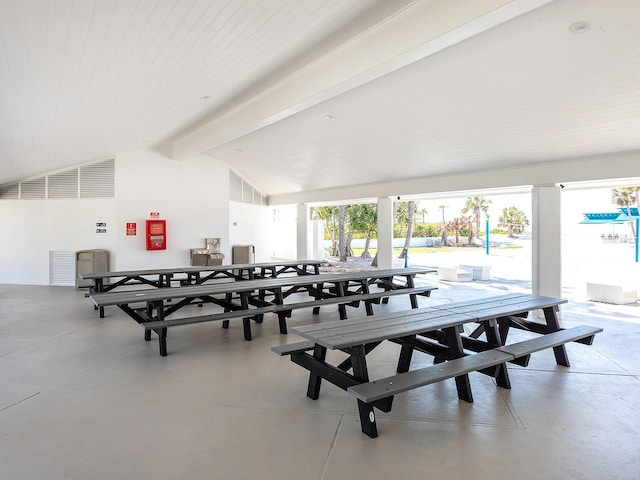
column 479, row 272
column 618, row 293
column 455, row 274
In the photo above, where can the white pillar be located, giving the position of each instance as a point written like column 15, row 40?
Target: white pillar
column 303, row 246
column 317, row 247
column 546, row 258
column 385, row 232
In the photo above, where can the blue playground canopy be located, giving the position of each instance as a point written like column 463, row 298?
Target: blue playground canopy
column 620, row 216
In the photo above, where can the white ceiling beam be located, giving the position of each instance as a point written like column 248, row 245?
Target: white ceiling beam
column 608, row 167
column 411, row 34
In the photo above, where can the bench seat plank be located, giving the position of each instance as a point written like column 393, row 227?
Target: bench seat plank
column 551, row 340
column 378, row 389
column 289, row 348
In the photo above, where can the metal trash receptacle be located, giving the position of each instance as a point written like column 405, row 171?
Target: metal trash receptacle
column 243, row 254
column 90, row 261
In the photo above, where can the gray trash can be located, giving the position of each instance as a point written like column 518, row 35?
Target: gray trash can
column 90, row 261
column 243, row 254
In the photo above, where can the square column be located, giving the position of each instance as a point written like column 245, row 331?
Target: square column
column 546, row 247
column 304, row 229
column 385, row 232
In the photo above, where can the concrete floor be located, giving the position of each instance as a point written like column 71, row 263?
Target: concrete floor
column 86, row 398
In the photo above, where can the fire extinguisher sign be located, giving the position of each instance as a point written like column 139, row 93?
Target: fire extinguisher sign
column 131, row 228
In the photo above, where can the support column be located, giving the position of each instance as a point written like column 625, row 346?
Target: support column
column 303, row 245
column 317, row 240
column 546, row 246
column 385, row 232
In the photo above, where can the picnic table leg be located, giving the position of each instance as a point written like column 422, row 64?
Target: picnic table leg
column 147, row 333
column 282, row 316
column 227, row 299
column 246, row 321
column 406, row 352
column 162, row 334
column 368, row 304
column 318, row 296
column 553, row 325
column 342, row 308
column 455, row 350
column 313, row 388
column 365, row 411
column 493, row 337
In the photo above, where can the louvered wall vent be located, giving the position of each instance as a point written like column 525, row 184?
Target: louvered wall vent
column 9, row 191
column 235, row 187
column 62, row 267
column 98, row 180
column 90, row 181
column 242, row 191
column 33, row 188
column 63, row 185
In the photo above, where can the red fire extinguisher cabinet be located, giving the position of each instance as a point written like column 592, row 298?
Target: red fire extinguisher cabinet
column 156, row 235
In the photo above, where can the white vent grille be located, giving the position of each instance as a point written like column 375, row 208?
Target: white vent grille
column 258, row 198
column 242, row 191
column 9, row 191
column 247, row 192
column 33, row 188
column 235, row 187
column 98, row 180
column 63, row 185
column 62, row 268
column 92, row 181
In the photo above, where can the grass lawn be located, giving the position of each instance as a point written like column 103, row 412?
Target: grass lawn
column 372, row 251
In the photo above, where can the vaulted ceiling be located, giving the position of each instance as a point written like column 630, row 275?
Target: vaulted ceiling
column 309, row 95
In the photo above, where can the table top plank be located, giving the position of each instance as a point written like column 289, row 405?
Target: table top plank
column 345, row 333
column 197, row 269
column 351, row 333
column 502, row 305
column 196, row 291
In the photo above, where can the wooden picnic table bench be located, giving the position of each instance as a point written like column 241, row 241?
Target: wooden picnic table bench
column 251, row 299
column 435, row 330
column 197, row 275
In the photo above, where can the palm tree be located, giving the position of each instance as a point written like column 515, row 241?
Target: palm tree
column 341, row 238
column 410, row 221
column 328, row 215
column 444, row 226
column 476, row 206
column 513, row 219
column 625, row 197
column 456, row 225
column 364, row 218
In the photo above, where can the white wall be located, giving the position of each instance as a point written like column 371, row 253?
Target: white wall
column 251, row 225
column 191, row 195
column 284, row 243
column 30, row 228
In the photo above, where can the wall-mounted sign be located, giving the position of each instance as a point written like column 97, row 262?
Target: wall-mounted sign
column 154, row 214
column 131, row 228
column 101, row 230
column 101, row 224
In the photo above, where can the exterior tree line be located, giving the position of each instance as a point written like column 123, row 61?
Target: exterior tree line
column 343, row 223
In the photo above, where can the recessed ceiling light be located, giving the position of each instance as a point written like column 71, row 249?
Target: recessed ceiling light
column 580, row 27
column 329, row 117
